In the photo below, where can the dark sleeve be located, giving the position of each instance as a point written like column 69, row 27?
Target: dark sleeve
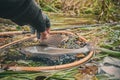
column 48, row 24
column 23, row 12
column 47, row 20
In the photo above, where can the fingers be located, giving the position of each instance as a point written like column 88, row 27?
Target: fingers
column 48, row 30
column 44, row 35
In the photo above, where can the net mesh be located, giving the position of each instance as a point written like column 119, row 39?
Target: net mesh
column 32, row 57
column 62, row 43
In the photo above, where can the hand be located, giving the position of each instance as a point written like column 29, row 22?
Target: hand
column 44, row 35
column 48, row 30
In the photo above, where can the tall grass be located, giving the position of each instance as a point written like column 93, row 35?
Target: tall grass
column 104, row 10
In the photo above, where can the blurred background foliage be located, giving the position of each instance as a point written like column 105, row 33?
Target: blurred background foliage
column 102, row 10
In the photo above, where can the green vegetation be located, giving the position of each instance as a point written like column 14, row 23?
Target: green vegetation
column 68, row 14
column 103, row 10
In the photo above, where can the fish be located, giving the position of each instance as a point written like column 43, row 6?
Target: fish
column 54, row 51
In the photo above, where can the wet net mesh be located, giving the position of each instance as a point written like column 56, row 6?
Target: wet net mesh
column 29, row 51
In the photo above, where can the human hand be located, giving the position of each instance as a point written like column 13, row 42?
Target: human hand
column 48, row 30
column 44, row 35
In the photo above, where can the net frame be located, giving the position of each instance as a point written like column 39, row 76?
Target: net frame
column 49, row 68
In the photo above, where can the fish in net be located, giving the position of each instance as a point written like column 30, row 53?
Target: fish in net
column 57, row 49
